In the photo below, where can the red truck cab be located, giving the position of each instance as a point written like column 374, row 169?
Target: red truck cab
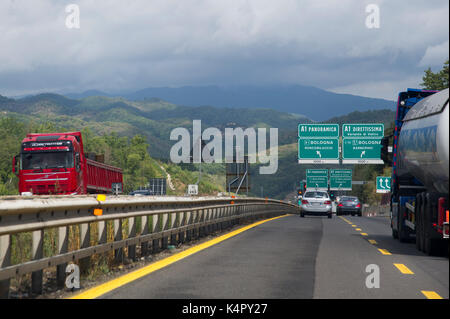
column 55, row 163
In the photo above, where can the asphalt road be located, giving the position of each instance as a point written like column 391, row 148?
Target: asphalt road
column 293, row 257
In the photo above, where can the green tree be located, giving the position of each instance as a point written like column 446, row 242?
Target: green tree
column 436, row 81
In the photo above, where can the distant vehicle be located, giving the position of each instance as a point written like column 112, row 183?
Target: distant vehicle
column 55, row 163
column 316, row 203
column 141, row 192
column 420, row 169
column 349, row 205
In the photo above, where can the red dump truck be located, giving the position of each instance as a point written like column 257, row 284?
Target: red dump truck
column 55, row 163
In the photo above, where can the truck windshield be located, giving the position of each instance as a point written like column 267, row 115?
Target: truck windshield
column 41, row 160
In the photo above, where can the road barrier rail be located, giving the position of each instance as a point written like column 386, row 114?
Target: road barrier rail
column 179, row 219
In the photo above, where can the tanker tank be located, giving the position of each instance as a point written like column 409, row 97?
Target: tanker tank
column 423, row 147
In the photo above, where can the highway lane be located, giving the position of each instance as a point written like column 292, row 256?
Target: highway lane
column 293, row 257
column 349, row 246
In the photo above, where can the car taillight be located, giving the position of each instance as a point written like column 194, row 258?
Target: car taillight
column 358, row 205
column 340, row 205
column 327, row 202
column 304, row 201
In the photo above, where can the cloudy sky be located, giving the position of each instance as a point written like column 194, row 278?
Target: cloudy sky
column 134, row 44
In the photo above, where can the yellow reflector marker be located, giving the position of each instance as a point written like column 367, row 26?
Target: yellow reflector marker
column 431, row 294
column 358, row 229
column 98, row 212
column 403, row 269
column 384, row 251
column 101, row 197
column 364, row 234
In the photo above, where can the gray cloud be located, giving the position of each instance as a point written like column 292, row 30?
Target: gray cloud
column 135, row 44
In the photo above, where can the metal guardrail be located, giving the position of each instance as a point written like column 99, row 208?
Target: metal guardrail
column 177, row 218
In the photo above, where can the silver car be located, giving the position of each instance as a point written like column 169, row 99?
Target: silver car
column 316, row 203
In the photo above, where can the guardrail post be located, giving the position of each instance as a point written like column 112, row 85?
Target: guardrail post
column 165, row 226
column 63, row 246
column 102, row 232
column 214, row 218
column 155, row 228
column 118, row 253
column 173, row 223
column 188, row 219
column 207, row 214
column 181, row 223
column 196, row 229
column 131, row 234
column 37, row 252
column 85, row 242
column 144, row 231
column 5, row 260
column 201, row 229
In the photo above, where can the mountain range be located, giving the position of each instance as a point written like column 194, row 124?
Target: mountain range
column 314, row 103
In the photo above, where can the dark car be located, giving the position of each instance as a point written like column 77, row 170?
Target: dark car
column 141, row 192
column 349, row 205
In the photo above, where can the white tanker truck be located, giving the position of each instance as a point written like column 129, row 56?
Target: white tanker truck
column 420, row 169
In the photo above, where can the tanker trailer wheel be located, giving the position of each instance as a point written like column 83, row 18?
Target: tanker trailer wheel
column 394, row 233
column 403, row 234
column 431, row 245
column 418, row 222
column 422, row 220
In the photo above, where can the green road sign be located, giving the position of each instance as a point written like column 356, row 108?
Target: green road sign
column 317, row 182
column 317, row 179
column 318, row 151
column 383, row 184
column 363, row 131
column 317, row 172
column 361, row 151
column 340, row 179
column 318, row 130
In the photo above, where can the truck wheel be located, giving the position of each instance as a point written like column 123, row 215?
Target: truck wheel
column 403, row 234
column 394, row 233
column 418, row 222
column 431, row 244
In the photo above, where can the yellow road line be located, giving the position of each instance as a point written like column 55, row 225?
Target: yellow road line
column 354, row 226
column 384, row 251
column 364, row 234
column 358, row 229
column 431, row 294
column 403, row 269
column 373, row 241
column 125, row 279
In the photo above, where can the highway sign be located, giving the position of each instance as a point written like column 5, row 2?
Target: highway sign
column 192, row 189
column 318, row 130
column 317, row 172
column 361, row 143
column 361, row 151
column 383, row 184
column 116, row 188
column 340, row 179
column 318, row 151
column 317, row 179
column 363, row 131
